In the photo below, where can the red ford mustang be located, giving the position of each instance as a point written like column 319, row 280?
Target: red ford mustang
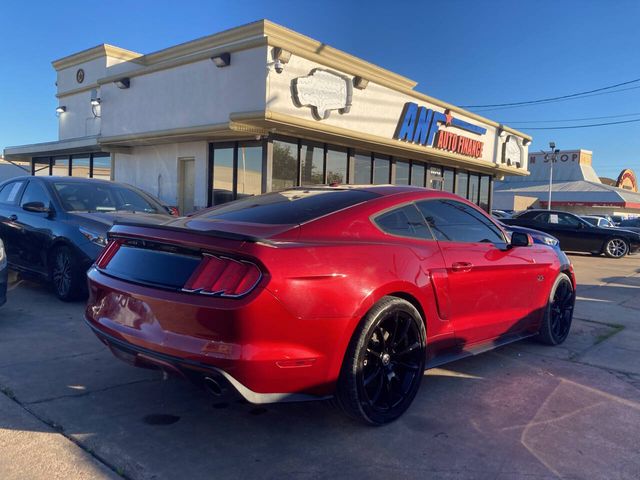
column 330, row 291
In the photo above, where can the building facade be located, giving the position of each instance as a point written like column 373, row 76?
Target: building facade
column 261, row 108
column 575, row 187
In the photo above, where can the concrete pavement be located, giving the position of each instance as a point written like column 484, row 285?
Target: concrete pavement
column 522, row 411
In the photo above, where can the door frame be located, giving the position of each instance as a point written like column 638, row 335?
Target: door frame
column 181, row 184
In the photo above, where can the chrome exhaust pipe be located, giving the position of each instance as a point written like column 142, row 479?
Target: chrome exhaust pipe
column 213, row 386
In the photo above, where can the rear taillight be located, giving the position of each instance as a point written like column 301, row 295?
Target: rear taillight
column 223, row 277
column 107, row 254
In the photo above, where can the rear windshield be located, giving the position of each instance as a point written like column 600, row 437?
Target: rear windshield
column 288, row 207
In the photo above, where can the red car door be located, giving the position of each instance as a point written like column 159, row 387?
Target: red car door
column 495, row 291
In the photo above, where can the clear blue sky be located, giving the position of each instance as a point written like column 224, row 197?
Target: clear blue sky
column 461, row 51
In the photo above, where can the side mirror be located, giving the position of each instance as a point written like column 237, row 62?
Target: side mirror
column 36, row 207
column 519, row 239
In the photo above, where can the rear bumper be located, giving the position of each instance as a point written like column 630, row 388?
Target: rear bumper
column 142, row 357
column 262, row 350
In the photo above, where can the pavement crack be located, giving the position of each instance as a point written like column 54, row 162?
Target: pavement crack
column 60, row 431
column 89, row 392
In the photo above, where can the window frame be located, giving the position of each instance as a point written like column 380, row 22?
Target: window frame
column 374, row 216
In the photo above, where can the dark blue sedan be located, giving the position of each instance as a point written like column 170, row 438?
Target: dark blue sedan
column 3, row 274
column 55, row 227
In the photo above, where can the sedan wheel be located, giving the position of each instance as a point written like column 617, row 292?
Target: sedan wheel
column 616, row 248
column 559, row 315
column 66, row 278
column 384, row 364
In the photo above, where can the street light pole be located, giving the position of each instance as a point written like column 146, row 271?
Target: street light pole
column 552, row 160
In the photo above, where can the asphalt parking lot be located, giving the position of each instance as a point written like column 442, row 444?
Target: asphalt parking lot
column 68, row 409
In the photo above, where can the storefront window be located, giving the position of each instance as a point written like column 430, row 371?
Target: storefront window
column 362, row 169
column 462, row 179
column 336, row 166
column 249, row 180
column 417, row 174
column 80, row 166
column 381, row 170
column 285, row 165
column 474, row 187
column 101, row 167
column 402, row 173
column 485, row 188
column 222, row 175
column 447, row 181
column 435, row 178
column 61, row 166
column 41, row 166
column 312, row 164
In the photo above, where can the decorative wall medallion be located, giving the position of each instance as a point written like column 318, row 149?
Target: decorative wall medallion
column 80, row 75
column 323, row 91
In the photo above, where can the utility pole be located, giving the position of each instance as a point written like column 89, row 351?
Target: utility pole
column 552, row 160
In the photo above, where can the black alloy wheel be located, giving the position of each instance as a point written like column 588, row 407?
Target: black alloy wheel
column 559, row 315
column 384, row 364
column 66, row 278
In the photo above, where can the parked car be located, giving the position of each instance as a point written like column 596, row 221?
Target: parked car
column 500, row 214
column 597, row 221
column 55, row 227
column 632, row 224
column 3, row 274
column 575, row 234
column 314, row 292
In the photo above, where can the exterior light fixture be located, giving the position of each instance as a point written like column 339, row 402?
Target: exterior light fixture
column 526, row 142
column 281, row 54
column 95, row 99
column 61, row 109
column 222, row 60
column 502, row 133
column 360, row 83
column 123, row 82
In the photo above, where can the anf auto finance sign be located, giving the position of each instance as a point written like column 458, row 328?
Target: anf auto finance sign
column 421, row 125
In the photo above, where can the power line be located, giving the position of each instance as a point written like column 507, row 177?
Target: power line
column 561, row 100
column 528, row 102
column 513, row 122
column 565, row 127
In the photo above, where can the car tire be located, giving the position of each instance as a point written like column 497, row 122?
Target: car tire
column 559, row 312
column 66, row 275
column 616, row 247
column 384, row 364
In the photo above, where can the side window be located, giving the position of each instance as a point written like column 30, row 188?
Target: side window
column 453, row 221
column 568, row 220
column 9, row 193
column 405, row 221
column 34, row 193
column 541, row 218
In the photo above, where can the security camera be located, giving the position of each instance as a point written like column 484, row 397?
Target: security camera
column 552, row 145
column 278, row 66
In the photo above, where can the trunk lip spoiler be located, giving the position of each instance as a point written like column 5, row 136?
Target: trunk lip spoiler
column 208, row 233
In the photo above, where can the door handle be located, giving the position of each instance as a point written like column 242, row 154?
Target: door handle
column 461, row 267
column 13, row 218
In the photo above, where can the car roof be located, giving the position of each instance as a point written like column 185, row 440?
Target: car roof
column 54, row 178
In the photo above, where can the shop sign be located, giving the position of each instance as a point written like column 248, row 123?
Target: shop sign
column 422, row 125
column 323, row 91
column 627, row 180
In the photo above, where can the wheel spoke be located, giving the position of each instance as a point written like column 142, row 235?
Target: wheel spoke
column 375, row 374
column 409, row 349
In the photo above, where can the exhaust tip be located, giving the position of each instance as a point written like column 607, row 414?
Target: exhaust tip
column 213, row 386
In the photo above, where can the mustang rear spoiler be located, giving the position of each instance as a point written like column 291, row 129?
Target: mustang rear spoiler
column 208, row 233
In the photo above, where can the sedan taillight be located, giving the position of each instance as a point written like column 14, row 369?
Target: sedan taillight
column 223, row 277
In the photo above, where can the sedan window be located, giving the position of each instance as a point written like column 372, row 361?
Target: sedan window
column 405, row 222
column 454, row 221
column 90, row 197
column 9, row 193
column 35, row 193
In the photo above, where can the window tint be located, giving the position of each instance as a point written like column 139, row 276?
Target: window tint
column 35, row 193
column 404, row 221
column 454, row 221
column 9, row 193
column 108, row 197
column 289, row 206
